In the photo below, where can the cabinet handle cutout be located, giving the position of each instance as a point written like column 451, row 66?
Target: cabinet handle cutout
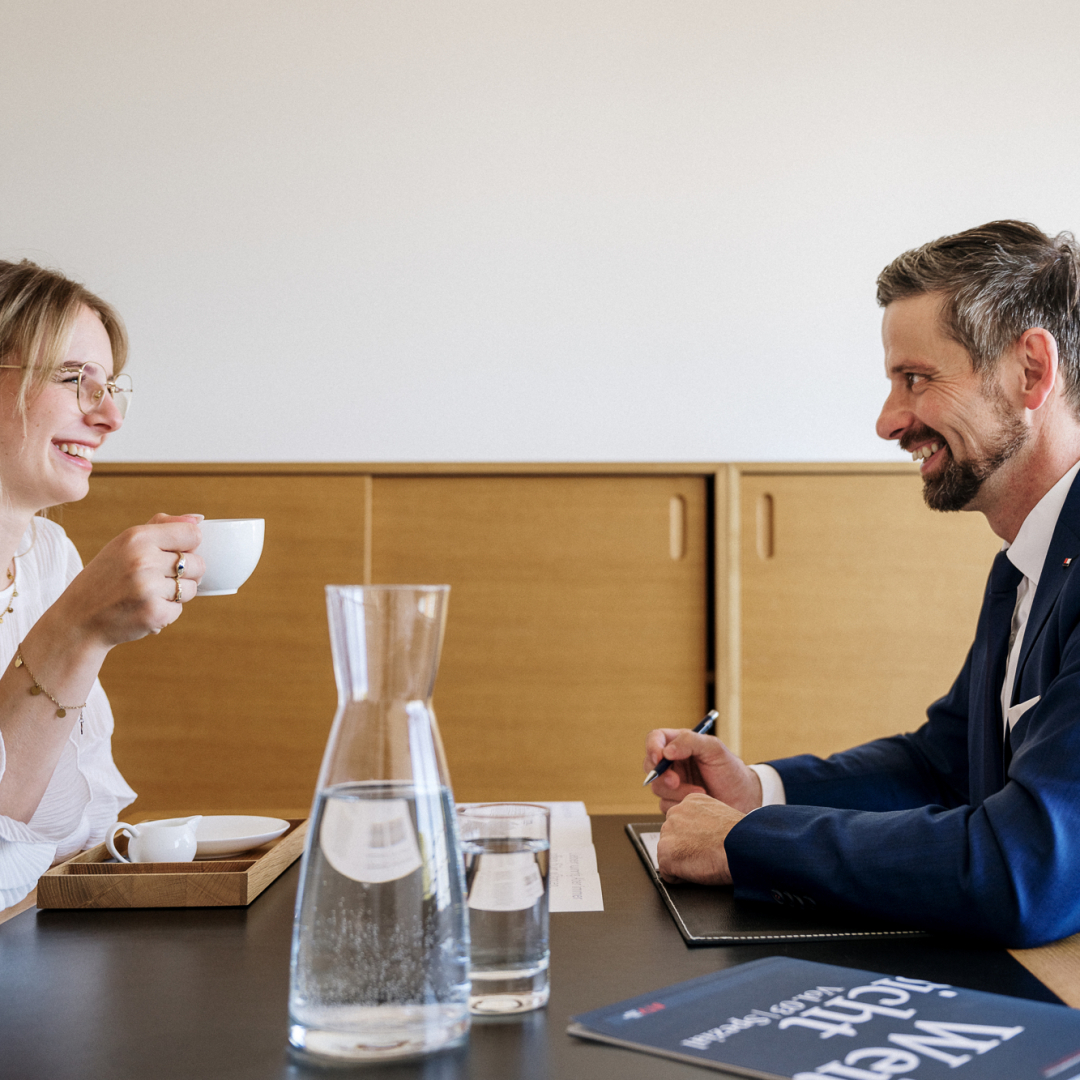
column 677, row 527
column 765, row 547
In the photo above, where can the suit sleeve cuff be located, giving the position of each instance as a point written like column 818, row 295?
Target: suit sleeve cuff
column 772, row 786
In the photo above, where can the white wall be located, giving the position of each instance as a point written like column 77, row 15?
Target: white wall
column 498, row 230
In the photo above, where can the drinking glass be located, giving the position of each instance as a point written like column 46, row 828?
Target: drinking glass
column 506, row 848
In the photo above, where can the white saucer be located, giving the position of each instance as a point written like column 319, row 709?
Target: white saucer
column 226, row 834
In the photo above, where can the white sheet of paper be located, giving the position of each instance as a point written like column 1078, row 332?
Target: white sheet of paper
column 571, row 834
column 563, row 810
column 650, row 840
column 575, row 880
column 570, row 825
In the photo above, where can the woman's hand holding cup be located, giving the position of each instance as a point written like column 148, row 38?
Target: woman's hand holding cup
column 136, row 586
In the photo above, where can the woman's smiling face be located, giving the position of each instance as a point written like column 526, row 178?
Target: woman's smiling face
column 35, row 472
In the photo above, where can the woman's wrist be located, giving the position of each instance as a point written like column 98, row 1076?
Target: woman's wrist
column 64, row 657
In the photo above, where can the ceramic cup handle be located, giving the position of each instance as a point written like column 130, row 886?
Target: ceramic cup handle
column 110, row 836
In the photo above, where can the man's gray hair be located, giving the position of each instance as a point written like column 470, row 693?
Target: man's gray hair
column 997, row 281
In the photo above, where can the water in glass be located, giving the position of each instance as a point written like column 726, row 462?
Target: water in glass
column 507, row 894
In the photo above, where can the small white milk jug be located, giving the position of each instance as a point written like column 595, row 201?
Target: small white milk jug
column 171, row 840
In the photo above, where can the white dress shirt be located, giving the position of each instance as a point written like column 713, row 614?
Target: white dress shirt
column 1028, row 554
column 86, row 792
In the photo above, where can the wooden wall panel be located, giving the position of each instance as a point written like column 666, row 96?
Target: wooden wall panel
column 572, row 629
column 571, row 632
column 229, row 708
column 856, row 613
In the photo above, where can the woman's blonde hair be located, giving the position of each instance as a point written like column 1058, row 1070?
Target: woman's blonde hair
column 38, row 309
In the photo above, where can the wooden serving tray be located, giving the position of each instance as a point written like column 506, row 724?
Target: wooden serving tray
column 88, row 881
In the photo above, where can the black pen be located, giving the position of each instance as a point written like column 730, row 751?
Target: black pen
column 703, row 728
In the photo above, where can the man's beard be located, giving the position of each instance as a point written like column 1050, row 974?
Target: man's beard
column 956, row 483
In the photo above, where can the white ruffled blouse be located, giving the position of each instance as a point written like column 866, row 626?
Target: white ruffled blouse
column 87, row 792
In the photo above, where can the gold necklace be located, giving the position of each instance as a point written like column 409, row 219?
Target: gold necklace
column 14, row 592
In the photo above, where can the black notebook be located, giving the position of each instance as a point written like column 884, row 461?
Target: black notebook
column 710, row 914
column 781, row 1018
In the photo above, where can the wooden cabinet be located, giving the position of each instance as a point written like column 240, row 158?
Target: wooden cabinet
column 577, row 622
column 228, row 708
column 588, row 604
column 858, row 606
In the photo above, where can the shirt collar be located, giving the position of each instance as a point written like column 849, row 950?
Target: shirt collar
column 1028, row 551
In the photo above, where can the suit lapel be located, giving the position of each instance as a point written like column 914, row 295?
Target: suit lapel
column 1065, row 545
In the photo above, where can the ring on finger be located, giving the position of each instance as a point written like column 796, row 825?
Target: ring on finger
column 179, row 597
column 181, row 564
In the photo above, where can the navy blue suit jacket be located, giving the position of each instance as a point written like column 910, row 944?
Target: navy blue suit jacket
column 934, row 828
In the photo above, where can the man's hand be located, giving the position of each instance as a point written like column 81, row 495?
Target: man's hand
column 691, row 846
column 701, row 764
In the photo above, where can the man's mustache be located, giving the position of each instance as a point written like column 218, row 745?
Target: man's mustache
column 911, row 439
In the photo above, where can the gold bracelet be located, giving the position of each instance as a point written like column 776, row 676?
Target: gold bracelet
column 37, row 688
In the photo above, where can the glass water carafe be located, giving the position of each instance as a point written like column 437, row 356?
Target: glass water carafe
column 380, row 956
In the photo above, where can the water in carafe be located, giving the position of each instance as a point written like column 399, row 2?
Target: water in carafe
column 380, row 960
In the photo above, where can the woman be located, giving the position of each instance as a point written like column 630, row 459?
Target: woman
column 61, row 350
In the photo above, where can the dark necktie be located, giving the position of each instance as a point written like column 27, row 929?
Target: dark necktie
column 1004, row 579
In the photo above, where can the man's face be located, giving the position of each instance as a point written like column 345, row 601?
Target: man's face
column 957, row 423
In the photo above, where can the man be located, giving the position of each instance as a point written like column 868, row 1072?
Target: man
column 971, row 823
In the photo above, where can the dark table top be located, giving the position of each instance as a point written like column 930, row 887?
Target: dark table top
column 201, row 993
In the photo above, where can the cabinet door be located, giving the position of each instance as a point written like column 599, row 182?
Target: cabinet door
column 577, row 622
column 858, row 607
column 228, row 709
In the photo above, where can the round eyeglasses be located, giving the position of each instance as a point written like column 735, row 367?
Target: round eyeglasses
column 91, row 384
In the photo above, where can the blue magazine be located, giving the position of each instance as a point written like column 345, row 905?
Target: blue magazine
column 791, row 1019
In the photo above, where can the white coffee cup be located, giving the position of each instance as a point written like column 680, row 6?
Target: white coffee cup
column 230, row 548
column 170, row 840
